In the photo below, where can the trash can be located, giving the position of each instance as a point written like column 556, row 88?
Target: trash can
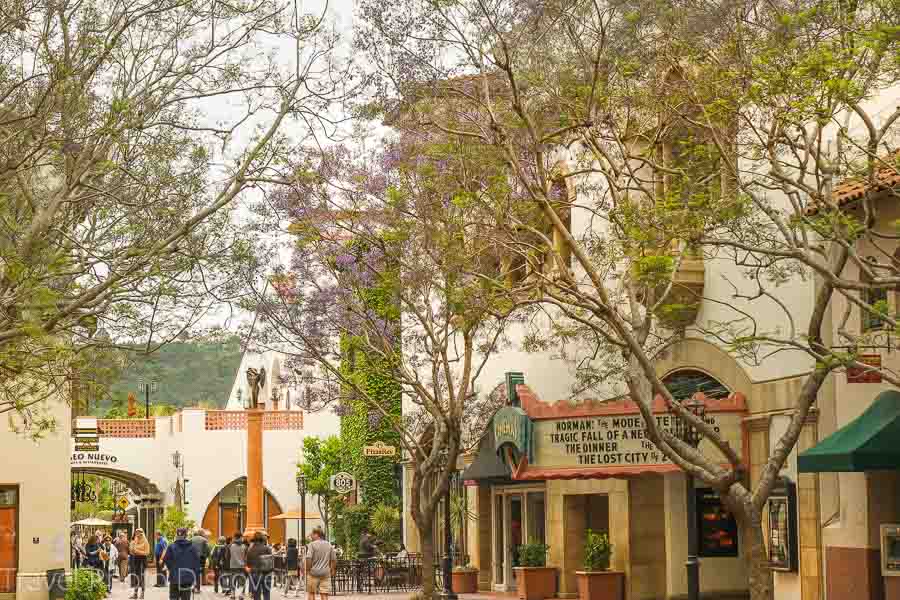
column 56, row 583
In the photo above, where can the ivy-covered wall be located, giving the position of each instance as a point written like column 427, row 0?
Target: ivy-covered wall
column 362, row 424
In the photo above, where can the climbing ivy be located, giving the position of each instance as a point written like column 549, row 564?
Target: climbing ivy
column 361, row 423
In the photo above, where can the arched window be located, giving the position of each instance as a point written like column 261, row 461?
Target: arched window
column 685, row 383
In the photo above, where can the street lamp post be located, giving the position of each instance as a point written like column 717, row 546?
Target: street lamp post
column 692, row 437
column 149, row 386
column 301, row 490
column 239, row 487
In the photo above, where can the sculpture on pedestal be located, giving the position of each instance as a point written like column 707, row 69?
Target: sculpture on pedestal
column 256, row 380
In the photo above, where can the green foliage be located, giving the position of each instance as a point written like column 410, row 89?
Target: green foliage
column 386, row 526
column 373, row 375
column 597, row 551
column 174, row 519
column 188, row 374
column 86, row 584
column 533, row 554
column 350, row 525
column 322, row 458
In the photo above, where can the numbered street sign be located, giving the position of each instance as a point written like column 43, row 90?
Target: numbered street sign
column 343, row 482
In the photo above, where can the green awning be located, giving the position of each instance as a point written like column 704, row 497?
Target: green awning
column 487, row 466
column 871, row 442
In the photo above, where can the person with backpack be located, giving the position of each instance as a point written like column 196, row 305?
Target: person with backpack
column 237, row 562
column 201, row 546
column 217, row 560
column 183, row 564
column 158, row 549
column 260, row 565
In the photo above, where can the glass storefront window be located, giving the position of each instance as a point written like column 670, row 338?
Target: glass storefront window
column 535, row 512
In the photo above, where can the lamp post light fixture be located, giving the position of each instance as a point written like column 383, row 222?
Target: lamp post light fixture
column 148, row 386
column 690, row 436
column 239, row 488
column 447, row 593
column 301, row 491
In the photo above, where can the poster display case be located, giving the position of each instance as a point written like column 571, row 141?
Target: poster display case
column 890, row 549
column 783, row 526
column 716, row 526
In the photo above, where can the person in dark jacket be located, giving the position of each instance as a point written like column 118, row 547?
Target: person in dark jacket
column 292, row 566
column 183, row 564
column 201, row 546
column 217, row 562
column 260, row 564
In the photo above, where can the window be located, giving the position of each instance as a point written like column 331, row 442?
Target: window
column 877, row 298
column 562, row 199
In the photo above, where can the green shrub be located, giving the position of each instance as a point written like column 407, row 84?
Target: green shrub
column 597, row 551
column 533, row 554
column 386, row 526
column 174, row 519
column 354, row 519
column 86, row 584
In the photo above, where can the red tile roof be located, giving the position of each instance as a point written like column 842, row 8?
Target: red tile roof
column 887, row 177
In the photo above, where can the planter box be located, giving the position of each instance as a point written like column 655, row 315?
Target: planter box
column 465, row 582
column 601, row 585
column 535, row 583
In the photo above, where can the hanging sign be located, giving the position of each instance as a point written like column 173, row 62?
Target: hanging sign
column 86, row 434
column 863, row 374
column 122, row 503
column 379, row 449
column 343, row 482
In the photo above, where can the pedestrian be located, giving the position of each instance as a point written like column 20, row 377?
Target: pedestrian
column 112, row 565
column 139, row 551
column 158, row 549
column 292, row 566
column 321, row 562
column 260, row 564
column 92, row 559
column 122, row 554
column 237, row 562
column 201, row 546
column 182, row 563
column 217, row 562
column 366, row 545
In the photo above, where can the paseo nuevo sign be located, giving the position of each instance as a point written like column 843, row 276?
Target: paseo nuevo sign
column 613, row 440
column 80, row 459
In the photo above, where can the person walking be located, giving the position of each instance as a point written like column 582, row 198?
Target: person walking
column 139, row 551
column 201, row 546
column 321, row 562
column 122, row 554
column 92, row 559
column 158, row 549
column 260, row 564
column 112, row 565
column 237, row 562
column 182, row 562
column 292, row 566
column 217, row 562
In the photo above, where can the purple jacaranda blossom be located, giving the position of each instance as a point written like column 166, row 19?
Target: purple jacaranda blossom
column 344, row 260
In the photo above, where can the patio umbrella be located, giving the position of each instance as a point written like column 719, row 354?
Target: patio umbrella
column 92, row 522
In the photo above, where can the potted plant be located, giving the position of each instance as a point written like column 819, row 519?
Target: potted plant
column 534, row 579
column 465, row 579
column 597, row 581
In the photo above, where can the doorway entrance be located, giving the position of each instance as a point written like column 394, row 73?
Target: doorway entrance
column 519, row 516
column 9, row 528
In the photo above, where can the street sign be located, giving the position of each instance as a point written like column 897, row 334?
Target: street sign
column 379, row 449
column 122, row 503
column 343, row 482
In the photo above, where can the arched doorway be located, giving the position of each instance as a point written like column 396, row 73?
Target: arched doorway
column 227, row 512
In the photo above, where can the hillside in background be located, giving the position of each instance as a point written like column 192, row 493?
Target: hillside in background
column 188, row 374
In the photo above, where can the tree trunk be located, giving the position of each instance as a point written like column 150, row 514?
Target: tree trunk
column 760, row 579
column 426, row 536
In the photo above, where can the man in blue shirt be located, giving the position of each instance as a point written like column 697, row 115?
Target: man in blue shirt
column 161, row 544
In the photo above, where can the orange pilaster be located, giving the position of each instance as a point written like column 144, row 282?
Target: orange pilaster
column 255, row 491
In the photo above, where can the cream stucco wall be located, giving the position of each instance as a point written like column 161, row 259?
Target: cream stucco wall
column 41, row 470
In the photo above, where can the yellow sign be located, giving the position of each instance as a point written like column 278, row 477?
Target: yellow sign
column 379, row 449
column 123, row 502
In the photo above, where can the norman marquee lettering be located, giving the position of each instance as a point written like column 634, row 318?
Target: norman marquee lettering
column 618, row 440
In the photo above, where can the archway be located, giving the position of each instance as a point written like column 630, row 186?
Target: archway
column 226, row 513
column 145, row 499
